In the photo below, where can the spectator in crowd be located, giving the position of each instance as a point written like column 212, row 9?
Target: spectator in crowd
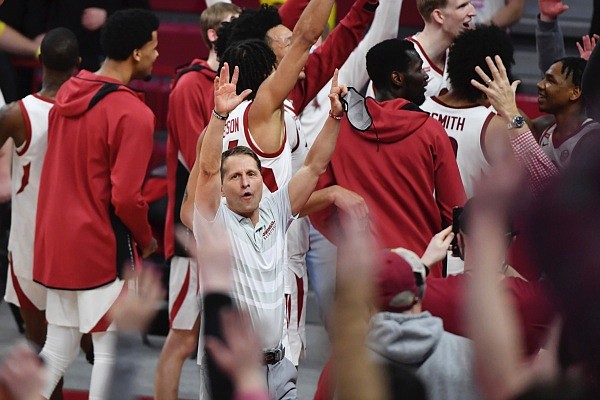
column 565, row 247
column 401, row 332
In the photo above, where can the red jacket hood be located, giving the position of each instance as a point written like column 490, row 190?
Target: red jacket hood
column 80, row 93
column 397, row 124
column 197, row 65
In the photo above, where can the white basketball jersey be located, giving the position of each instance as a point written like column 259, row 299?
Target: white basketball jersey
column 438, row 79
column 27, row 164
column 465, row 126
column 560, row 153
column 276, row 167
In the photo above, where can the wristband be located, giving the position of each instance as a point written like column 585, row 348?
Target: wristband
column 219, row 116
column 336, row 117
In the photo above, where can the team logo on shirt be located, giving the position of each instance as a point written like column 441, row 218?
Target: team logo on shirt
column 269, row 230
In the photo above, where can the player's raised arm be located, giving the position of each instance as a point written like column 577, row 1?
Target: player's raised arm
column 304, row 181
column 208, row 187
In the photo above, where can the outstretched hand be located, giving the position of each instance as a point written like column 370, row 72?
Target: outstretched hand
column 585, row 50
column 238, row 354
column 437, row 249
column 551, row 9
column 498, row 89
column 226, row 98
column 335, row 93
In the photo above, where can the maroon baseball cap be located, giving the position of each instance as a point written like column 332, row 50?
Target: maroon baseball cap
column 397, row 289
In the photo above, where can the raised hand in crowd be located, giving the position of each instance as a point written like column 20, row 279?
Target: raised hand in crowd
column 238, row 354
column 551, row 9
column 587, row 45
column 22, row 374
column 134, row 310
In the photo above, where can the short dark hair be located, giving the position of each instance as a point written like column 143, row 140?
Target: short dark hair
column 238, row 151
column 469, row 50
column 59, row 50
column 572, row 67
column 255, row 60
column 251, row 24
column 386, row 57
column 127, row 30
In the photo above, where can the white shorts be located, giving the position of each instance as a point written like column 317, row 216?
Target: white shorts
column 83, row 309
column 23, row 292
column 295, row 303
column 296, row 289
column 184, row 293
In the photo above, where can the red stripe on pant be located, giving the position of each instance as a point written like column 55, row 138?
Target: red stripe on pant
column 180, row 296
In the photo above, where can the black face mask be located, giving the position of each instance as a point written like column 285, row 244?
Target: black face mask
column 356, row 110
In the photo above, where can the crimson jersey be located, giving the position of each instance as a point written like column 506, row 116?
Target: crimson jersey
column 276, row 167
column 27, row 164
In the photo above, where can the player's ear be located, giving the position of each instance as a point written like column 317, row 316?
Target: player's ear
column 397, row 78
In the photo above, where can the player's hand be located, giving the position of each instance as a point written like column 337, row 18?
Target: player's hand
column 498, row 89
column 551, row 9
column 151, row 248
column 134, row 310
column 352, row 205
column 226, row 99
column 585, row 50
column 335, row 93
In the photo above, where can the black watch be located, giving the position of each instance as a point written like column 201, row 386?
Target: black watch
column 517, row 122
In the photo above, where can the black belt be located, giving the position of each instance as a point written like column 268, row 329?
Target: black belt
column 274, row 355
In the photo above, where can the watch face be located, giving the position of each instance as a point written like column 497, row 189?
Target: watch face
column 518, row 121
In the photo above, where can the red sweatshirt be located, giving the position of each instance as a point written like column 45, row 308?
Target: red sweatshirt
column 404, row 168
column 190, row 105
column 100, row 139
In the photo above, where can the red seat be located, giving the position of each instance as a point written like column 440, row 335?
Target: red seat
column 178, row 44
column 184, row 6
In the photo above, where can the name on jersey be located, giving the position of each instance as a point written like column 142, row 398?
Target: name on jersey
column 231, row 126
column 451, row 122
column 269, row 230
